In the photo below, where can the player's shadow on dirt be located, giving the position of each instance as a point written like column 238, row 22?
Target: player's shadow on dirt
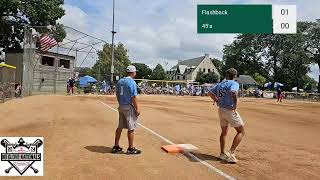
column 203, row 157
column 99, row 149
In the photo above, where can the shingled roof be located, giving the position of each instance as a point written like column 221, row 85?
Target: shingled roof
column 192, row 62
column 246, row 80
column 189, row 62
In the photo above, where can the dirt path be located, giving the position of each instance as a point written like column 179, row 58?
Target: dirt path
column 280, row 141
column 78, row 134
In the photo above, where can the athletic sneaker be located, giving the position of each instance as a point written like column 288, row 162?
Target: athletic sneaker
column 133, row 151
column 231, row 157
column 116, row 149
column 223, row 157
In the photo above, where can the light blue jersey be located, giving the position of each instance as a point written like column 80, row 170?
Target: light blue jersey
column 177, row 88
column 223, row 92
column 126, row 89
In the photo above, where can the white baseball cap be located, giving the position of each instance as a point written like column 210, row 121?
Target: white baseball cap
column 131, row 69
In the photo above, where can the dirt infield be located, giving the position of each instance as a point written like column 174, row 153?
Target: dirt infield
column 280, row 142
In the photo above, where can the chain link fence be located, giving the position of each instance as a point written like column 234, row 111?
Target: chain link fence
column 7, row 82
column 301, row 96
column 47, row 72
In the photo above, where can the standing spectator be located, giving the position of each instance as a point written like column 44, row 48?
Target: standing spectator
column 177, row 89
column 279, row 94
column 70, row 84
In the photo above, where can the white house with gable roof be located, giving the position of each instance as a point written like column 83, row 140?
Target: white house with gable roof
column 188, row 69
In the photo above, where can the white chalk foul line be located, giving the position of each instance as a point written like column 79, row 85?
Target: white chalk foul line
column 218, row 171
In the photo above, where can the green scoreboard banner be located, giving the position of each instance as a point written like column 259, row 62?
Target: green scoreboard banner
column 247, row 19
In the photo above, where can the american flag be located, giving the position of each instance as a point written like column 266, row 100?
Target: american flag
column 47, row 42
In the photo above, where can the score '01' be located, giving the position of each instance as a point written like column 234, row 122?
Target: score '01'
column 284, row 12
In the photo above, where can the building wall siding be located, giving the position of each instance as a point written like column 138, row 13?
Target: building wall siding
column 32, row 72
column 15, row 59
column 205, row 64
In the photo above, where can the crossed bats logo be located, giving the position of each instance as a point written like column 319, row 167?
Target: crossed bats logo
column 21, row 155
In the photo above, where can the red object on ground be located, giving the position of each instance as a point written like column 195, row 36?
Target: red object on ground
column 172, row 148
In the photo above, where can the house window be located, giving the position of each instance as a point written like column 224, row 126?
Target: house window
column 204, row 69
column 209, row 70
column 47, row 61
column 184, row 77
column 178, row 77
column 64, row 63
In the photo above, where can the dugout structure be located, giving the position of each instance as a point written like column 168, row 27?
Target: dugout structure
column 7, row 81
column 41, row 72
column 47, row 72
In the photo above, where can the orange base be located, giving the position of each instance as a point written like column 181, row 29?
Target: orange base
column 172, row 148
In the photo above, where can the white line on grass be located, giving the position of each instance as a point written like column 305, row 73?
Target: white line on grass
column 186, row 153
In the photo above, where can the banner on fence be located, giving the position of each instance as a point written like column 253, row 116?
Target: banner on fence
column 268, row 95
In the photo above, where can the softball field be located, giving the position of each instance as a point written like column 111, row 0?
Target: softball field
column 281, row 140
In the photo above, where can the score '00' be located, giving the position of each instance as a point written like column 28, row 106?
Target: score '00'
column 285, row 12
column 285, row 25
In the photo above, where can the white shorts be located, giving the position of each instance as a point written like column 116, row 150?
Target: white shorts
column 229, row 117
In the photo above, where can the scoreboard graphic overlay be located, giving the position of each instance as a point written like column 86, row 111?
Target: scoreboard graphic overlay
column 247, row 19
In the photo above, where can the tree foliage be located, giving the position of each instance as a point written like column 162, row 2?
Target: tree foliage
column 144, row 72
column 261, row 80
column 312, row 46
column 59, row 33
column 310, row 83
column 158, row 73
column 244, row 54
column 272, row 57
column 210, row 77
column 103, row 65
column 218, row 64
column 83, row 71
column 17, row 13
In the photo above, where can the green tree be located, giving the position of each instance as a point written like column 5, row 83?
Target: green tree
column 218, row 64
column 210, row 77
column 198, row 77
column 158, row 73
column 17, row 13
column 144, row 72
column 59, row 33
column 312, row 34
column 261, row 80
column 103, row 65
column 278, row 58
column 287, row 61
column 245, row 55
column 310, row 83
column 83, row 71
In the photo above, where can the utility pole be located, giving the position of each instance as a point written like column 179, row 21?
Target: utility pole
column 318, row 23
column 113, row 33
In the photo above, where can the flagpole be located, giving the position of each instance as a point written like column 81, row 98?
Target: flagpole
column 113, row 33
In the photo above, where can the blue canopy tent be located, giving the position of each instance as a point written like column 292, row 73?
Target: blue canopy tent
column 86, row 80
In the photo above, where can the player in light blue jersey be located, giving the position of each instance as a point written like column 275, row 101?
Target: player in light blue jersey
column 225, row 95
column 129, row 110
